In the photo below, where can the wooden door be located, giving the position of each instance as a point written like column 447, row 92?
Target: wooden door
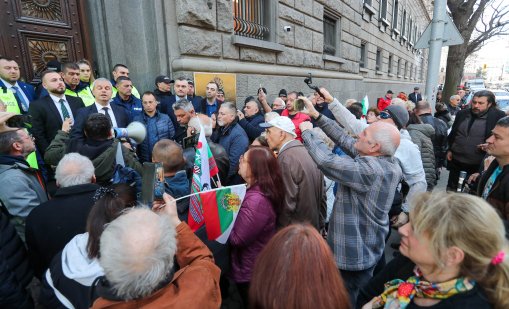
column 33, row 32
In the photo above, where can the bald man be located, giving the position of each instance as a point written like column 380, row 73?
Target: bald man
column 369, row 176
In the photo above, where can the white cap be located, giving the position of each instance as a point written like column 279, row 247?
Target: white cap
column 281, row 122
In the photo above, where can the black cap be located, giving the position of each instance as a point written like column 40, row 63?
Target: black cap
column 390, row 91
column 190, row 82
column 163, row 79
column 416, row 88
column 282, row 92
column 53, row 65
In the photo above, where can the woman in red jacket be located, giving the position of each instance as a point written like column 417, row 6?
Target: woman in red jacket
column 256, row 220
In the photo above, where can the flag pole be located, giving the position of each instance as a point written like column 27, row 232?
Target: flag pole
column 189, row 195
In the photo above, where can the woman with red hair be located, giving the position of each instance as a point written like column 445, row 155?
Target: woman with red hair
column 256, row 220
column 297, row 270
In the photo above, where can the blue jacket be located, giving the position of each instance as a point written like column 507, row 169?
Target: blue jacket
column 178, row 186
column 133, row 106
column 235, row 142
column 27, row 89
column 158, row 127
column 252, row 126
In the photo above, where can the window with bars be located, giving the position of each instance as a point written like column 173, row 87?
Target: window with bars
column 378, row 60
column 362, row 61
column 330, row 36
column 250, row 18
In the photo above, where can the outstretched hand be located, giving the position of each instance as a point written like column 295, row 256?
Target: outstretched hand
column 309, row 107
column 167, row 206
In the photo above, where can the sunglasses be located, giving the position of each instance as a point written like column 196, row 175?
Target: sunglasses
column 385, row 115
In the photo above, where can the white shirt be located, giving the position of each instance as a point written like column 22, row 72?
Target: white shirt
column 56, row 100
column 110, row 112
column 9, row 86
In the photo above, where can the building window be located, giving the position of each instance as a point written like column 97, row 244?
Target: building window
column 331, row 34
column 399, row 67
column 251, row 18
column 362, row 62
column 410, row 29
column 415, row 34
column 383, row 9
column 403, row 24
column 378, row 59
column 389, row 65
column 368, row 2
column 406, row 69
column 395, row 12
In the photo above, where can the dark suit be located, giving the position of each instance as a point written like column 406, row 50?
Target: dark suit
column 46, row 119
column 51, row 225
column 415, row 97
column 121, row 116
column 166, row 107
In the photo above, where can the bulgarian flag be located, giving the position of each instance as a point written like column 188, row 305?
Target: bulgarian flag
column 365, row 105
column 204, row 169
column 220, row 209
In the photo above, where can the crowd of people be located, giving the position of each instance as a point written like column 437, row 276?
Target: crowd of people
column 326, row 184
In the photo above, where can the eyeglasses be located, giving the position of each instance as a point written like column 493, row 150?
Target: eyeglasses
column 385, row 115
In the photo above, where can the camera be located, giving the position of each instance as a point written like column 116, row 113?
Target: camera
column 287, row 28
column 309, row 81
column 20, row 121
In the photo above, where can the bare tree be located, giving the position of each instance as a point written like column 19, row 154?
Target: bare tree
column 478, row 21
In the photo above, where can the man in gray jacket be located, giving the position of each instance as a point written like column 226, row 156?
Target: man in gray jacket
column 368, row 177
column 21, row 187
column 305, row 199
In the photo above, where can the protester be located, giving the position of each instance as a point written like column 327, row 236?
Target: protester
column 297, row 270
column 72, row 272
column 256, row 221
column 455, row 267
column 297, row 117
column 422, row 134
column 415, row 96
column 250, row 120
column 140, row 276
column 382, row 103
column 443, row 114
column 86, row 72
column 126, row 99
column 372, row 115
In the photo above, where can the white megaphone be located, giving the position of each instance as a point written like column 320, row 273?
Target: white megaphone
column 135, row 130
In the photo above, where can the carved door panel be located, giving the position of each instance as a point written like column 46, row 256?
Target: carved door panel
column 34, row 32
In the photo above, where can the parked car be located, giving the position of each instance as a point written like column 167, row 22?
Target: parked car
column 502, row 98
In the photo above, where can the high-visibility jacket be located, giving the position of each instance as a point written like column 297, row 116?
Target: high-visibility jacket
column 7, row 96
column 84, row 94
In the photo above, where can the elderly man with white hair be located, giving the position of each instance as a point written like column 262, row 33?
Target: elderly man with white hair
column 138, row 251
column 51, row 225
column 368, row 177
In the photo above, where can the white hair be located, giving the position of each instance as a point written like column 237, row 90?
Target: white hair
column 454, row 97
column 74, row 169
column 383, row 137
column 398, row 101
column 270, row 115
column 100, row 79
column 207, row 126
column 137, row 252
column 184, row 105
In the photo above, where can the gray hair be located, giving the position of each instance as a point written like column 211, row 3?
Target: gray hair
column 74, row 169
column 100, row 79
column 184, row 105
column 454, row 97
column 230, row 106
column 207, row 126
column 270, row 115
column 137, row 251
column 384, row 138
column 398, row 101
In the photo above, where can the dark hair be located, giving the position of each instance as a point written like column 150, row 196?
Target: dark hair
column 266, row 173
column 413, row 118
column 105, row 210
column 7, row 59
column 440, row 107
column 296, row 269
column 170, row 154
column 148, row 93
column 70, row 66
column 98, row 127
column 181, row 78
column 46, row 72
column 375, row 110
column 121, row 79
column 249, row 99
column 488, row 94
column 262, row 140
column 213, row 82
column 355, row 110
column 503, row 122
column 119, row 65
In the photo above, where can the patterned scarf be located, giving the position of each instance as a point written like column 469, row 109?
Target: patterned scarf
column 398, row 293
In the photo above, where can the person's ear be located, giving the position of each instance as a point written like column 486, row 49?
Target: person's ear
column 454, row 256
column 93, row 179
column 17, row 146
column 375, row 148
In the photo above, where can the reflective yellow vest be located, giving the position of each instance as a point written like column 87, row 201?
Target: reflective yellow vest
column 85, row 94
column 7, row 96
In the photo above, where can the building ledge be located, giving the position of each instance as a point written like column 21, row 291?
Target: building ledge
column 391, row 75
column 257, row 44
column 363, row 70
column 399, row 76
column 379, row 73
column 369, row 9
column 396, row 31
column 333, row 59
column 384, row 22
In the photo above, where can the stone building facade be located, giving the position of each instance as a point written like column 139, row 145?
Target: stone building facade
column 369, row 45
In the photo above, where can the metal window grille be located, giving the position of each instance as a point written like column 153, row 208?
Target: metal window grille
column 329, row 32
column 249, row 18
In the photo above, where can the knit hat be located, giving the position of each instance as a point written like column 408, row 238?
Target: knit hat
column 282, row 92
column 399, row 115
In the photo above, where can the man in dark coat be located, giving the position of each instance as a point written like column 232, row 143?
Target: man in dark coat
column 469, row 131
column 415, row 96
column 49, row 112
column 250, row 120
column 51, row 225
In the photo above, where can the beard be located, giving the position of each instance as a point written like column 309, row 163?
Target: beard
column 220, row 123
column 58, row 91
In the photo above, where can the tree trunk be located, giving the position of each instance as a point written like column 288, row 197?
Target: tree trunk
column 454, row 72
